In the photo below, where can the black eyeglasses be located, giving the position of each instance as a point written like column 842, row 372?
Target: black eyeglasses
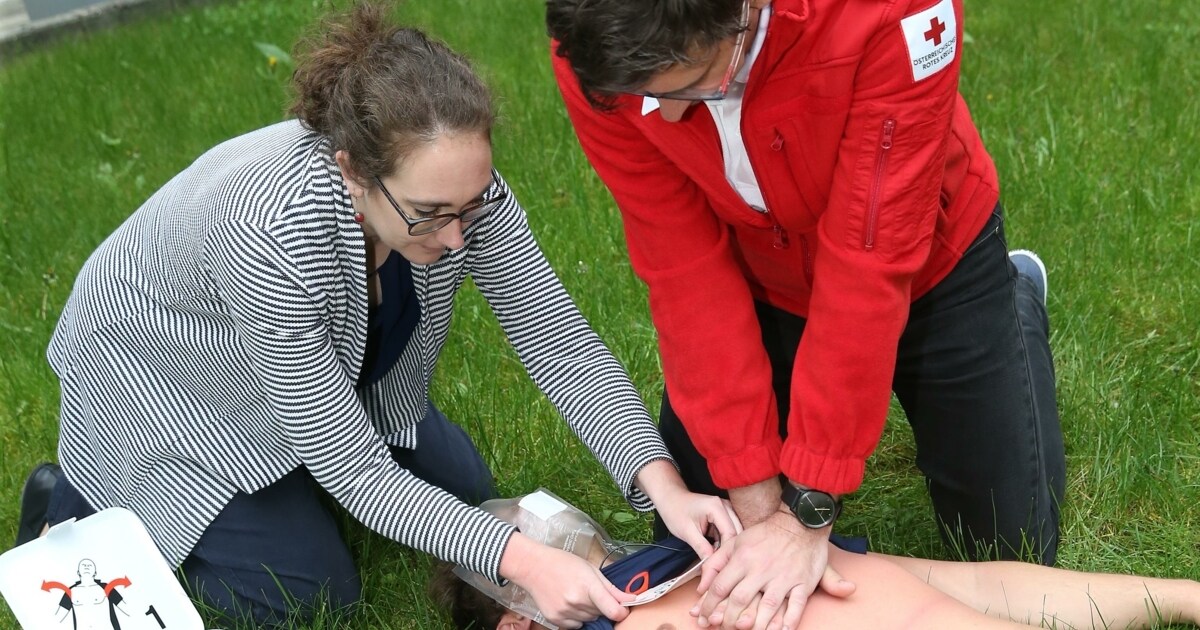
column 473, row 211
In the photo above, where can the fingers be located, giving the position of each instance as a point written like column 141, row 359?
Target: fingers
column 608, row 599
column 698, row 543
column 621, row 596
column 737, row 522
column 833, row 583
column 724, row 519
column 608, row 606
column 745, row 620
column 796, row 601
column 777, row 620
column 730, row 583
column 569, row 617
column 742, row 602
column 770, row 604
column 713, row 566
column 571, row 592
column 703, row 621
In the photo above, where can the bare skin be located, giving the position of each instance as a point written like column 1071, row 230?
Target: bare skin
column 912, row 593
column 441, row 176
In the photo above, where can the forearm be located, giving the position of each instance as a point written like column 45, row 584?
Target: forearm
column 519, row 559
column 659, row 479
column 1034, row 594
column 757, row 502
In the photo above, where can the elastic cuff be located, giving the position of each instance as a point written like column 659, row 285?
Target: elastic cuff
column 823, row 472
column 749, row 466
column 637, row 498
column 494, row 573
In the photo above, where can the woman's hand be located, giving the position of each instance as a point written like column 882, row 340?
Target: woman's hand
column 567, row 589
column 690, row 516
column 687, row 514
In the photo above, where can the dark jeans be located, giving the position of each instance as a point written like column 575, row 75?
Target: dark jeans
column 976, row 380
column 276, row 555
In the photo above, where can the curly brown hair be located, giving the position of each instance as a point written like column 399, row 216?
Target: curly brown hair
column 467, row 605
column 379, row 90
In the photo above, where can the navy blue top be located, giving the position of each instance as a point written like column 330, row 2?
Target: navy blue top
column 670, row 557
column 391, row 323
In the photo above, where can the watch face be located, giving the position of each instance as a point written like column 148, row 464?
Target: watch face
column 818, row 509
column 813, row 508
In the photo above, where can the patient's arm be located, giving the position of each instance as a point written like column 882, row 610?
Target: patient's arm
column 887, row 597
column 1035, row 594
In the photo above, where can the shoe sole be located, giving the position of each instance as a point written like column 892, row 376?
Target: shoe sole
column 1041, row 268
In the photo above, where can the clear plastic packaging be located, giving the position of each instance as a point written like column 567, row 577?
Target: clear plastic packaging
column 549, row 520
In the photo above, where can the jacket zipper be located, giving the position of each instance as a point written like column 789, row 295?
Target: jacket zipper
column 781, row 235
column 780, row 240
column 885, row 146
column 808, row 261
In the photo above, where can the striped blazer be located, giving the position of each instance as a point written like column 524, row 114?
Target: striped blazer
column 211, row 345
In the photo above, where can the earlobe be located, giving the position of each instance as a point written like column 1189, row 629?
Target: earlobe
column 355, row 188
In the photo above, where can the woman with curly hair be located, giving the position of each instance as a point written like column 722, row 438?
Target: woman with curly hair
column 263, row 331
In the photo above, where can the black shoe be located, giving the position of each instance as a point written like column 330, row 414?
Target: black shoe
column 35, row 501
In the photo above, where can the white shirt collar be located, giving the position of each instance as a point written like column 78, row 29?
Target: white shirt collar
column 760, row 35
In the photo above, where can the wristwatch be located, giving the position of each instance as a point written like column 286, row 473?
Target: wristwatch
column 813, row 508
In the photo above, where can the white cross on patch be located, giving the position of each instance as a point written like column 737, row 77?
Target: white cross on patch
column 932, row 38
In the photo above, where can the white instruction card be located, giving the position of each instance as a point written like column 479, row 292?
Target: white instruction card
column 102, row 571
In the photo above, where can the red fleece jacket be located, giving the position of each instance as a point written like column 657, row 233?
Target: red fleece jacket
column 876, row 181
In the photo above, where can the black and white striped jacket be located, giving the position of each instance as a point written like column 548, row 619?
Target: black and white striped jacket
column 211, row 345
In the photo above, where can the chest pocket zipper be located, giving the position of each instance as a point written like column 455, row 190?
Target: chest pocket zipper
column 881, row 159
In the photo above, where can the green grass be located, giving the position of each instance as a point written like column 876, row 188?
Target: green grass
column 1089, row 108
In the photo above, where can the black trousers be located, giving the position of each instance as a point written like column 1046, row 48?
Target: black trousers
column 975, row 377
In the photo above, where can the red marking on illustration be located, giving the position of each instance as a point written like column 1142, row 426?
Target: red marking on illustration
column 121, row 581
column 47, row 585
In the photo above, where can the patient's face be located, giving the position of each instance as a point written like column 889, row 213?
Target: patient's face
column 513, row 621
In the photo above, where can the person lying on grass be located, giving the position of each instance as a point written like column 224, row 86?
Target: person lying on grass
column 891, row 591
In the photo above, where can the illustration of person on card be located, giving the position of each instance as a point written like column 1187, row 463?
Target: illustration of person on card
column 90, row 602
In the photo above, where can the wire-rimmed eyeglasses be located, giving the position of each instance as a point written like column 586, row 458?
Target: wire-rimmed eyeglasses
column 473, row 211
column 719, row 92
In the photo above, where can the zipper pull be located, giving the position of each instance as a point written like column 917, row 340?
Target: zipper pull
column 889, row 126
column 781, row 237
column 777, row 144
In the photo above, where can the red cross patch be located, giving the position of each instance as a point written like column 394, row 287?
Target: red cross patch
column 932, row 38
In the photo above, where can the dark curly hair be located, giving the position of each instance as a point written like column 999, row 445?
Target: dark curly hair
column 616, row 46
column 468, row 606
column 379, row 90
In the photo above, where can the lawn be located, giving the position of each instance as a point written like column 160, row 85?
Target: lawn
column 1089, row 108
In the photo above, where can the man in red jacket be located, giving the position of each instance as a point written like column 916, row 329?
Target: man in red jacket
column 806, row 197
